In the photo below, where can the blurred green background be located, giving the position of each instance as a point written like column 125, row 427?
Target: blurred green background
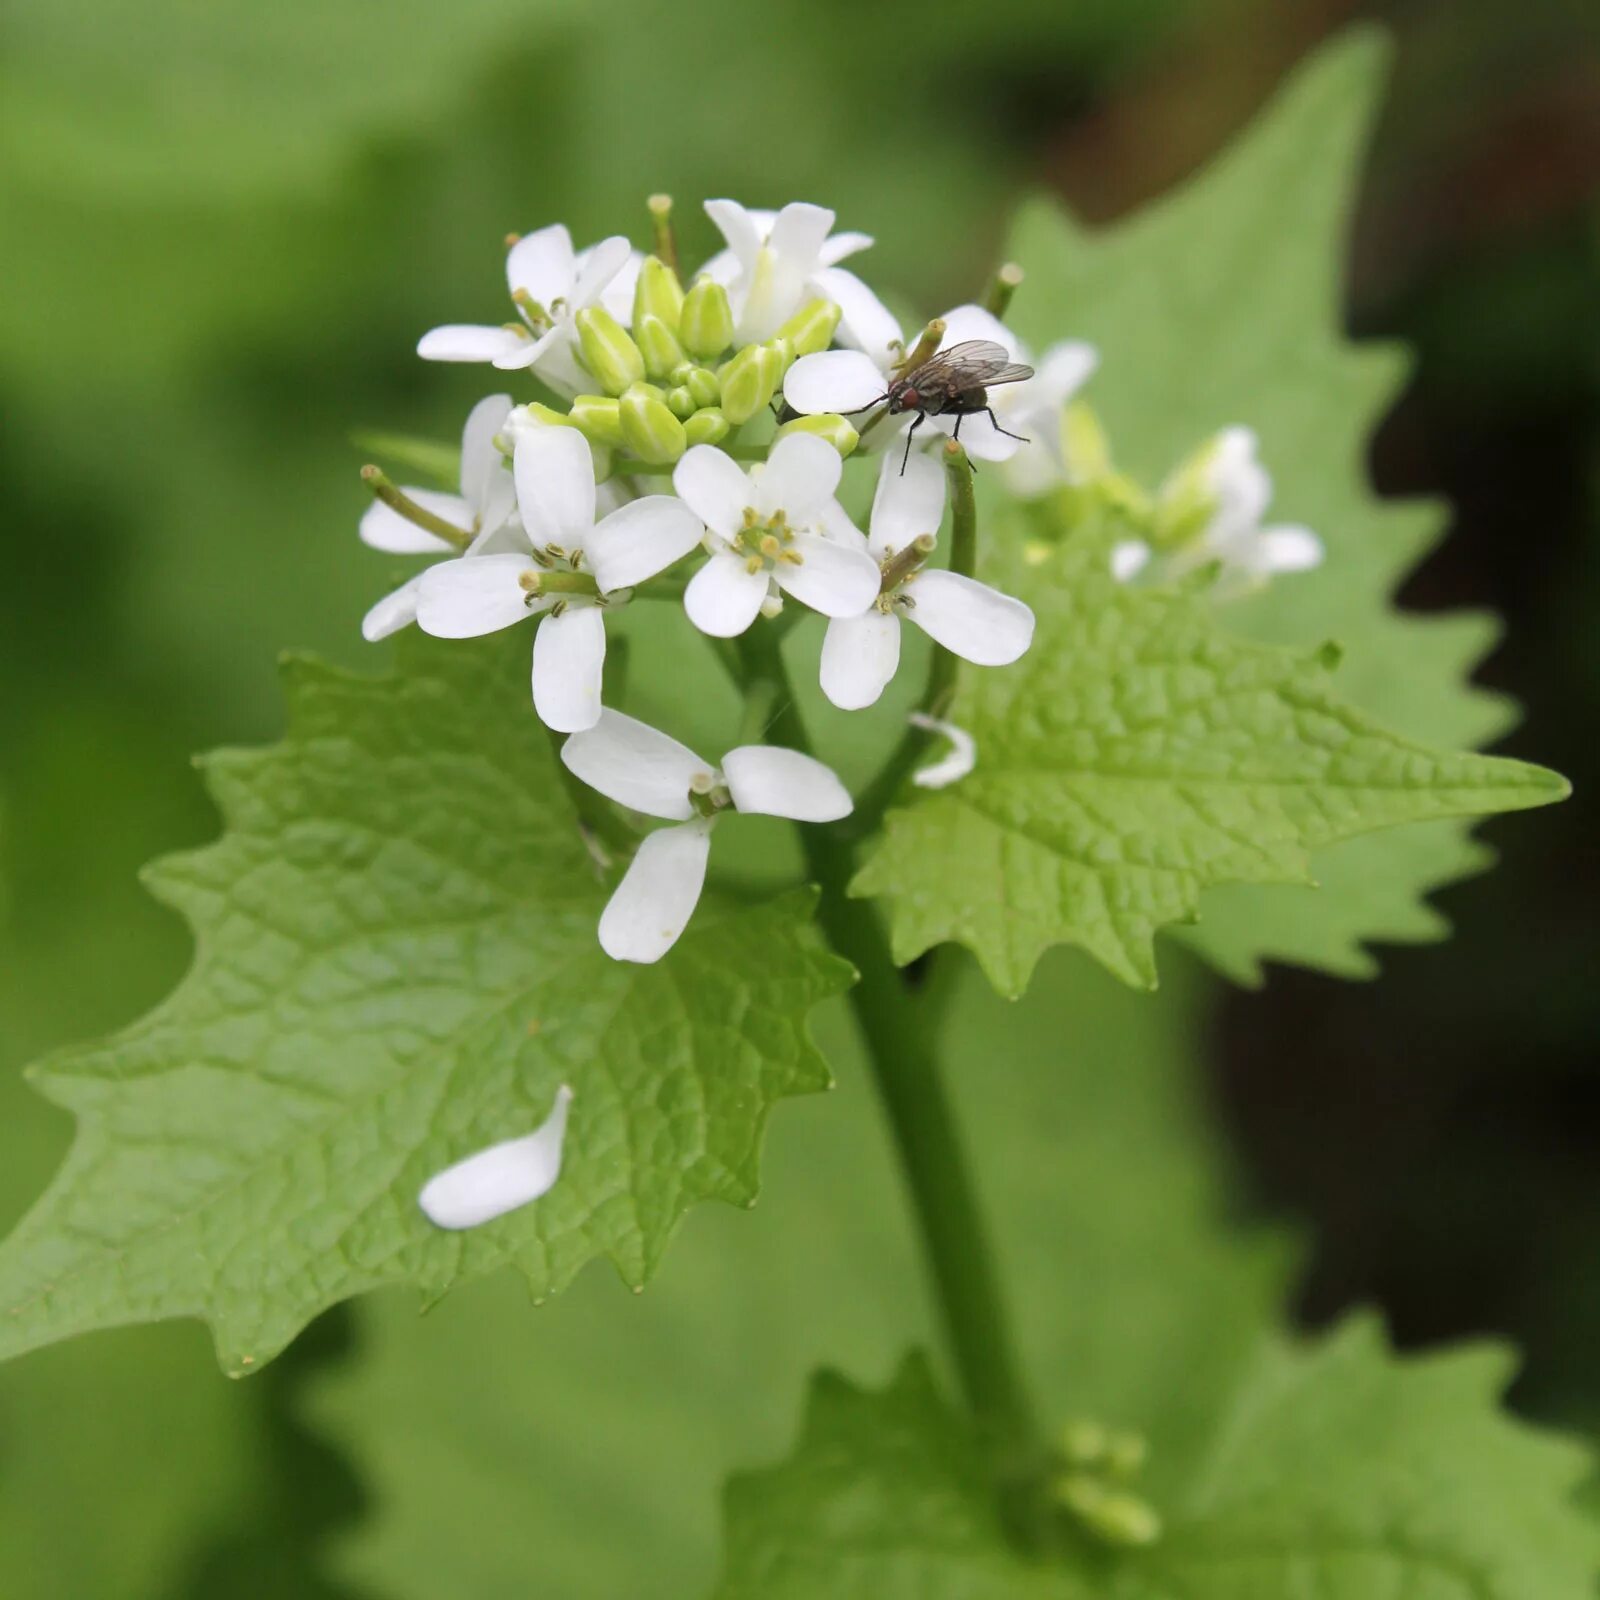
column 222, row 229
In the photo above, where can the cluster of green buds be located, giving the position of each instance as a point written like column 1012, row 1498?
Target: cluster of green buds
column 1098, row 1466
column 676, row 379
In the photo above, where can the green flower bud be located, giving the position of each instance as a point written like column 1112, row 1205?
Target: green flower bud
column 608, row 352
column 658, row 344
column 707, row 426
column 680, row 402
column 749, row 381
column 705, row 324
column 650, row 430
column 784, row 350
column 595, row 416
column 1187, row 501
column 812, row 327
column 1084, row 446
column 647, row 391
column 659, row 294
column 827, row 425
column 702, row 384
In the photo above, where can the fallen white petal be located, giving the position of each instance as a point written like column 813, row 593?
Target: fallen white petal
column 960, row 760
column 395, row 611
column 776, row 782
column 652, row 905
column 569, row 657
column 906, row 504
column 555, row 485
column 859, row 658
column 834, row 380
column 714, row 486
column 636, row 765
column 640, row 539
column 383, row 528
column 460, row 341
column 500, row 1178
column 798, row 478
column 472, row 595
column 724, row 596
column 977, row 623
column 831, row 578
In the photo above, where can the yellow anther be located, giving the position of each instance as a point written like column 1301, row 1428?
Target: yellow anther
column 754, row 565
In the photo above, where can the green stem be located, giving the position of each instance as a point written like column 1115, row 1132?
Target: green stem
column 398, row 500
column 939, row 689
column 901, row 1048
column 1002, row 286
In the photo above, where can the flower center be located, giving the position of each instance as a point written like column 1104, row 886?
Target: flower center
column 764, row 541
column 708, row 794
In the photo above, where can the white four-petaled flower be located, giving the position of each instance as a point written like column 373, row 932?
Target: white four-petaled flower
column 977, row 623
column 550, row 284
column 482, row 509
column 646, row 770
column 493, row 1181
column 484, row 593
column 776, row 527
column 1232, row 491
column 777, row 260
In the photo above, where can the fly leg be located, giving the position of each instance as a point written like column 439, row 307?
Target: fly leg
column 1019, row 437
column 910, row 432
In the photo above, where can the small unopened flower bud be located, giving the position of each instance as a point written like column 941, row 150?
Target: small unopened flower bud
column 680, row 402
column 658, row 294
column 1125, row 1454
column 784, row 350
column 598, row 418
column 608, row 352
column 1084, row 446
column 749, row 382
column 702, row 383
column 705, row 324
column 1083, row 1443
column 707, row 426
column 772, row 606
column 1124, row 1519
column 812, row 327
column 658, row 344
column 827, row 425
column 650, row 430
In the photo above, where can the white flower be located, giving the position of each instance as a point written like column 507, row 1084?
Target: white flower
column 856, row 379
column 960, row 759
column 484, row 593
column 550, row 284
column 1225, row 486
column 777, row 525
column 501, row 1178
column 1034, row 407
column 777, row 260
column 647, row 771
column 483, row 509
column 979, row 624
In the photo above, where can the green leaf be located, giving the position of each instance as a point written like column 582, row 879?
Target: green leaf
column 1134, row 756
column 1331, row 1470
column 397, row 965
column 1224, row 303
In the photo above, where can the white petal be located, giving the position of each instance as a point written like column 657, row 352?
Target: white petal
column 859, row 657
column 641, row 539
column 722, row 268
column 907, row 504
column 865, row 322
column 481, row 461
column 658, row 893
column 636, row 765
column 524, row 351
column 569, row 656
column 961, row 758
column 601, row 263
column 962, row 323
column 978, row 623
column 738, row 227
column 1064, row 370
column 784, row 783
column 835, row 522
column 798, row 235
column 1243, row 487
column 844, row 244
column 384, row 528
column 1290, row 548
column 798, row 478
column 834, row 380
column 500, row 539
column 980, row 438
column 1129, row 557
column 542, row 263
column 831, row 578
column 461, row 341
column 715, row 488
column 475, row 594
column 501, row 1178
column 617, row 296
column 556, row 361
column 395, row 611
column 555, row 485
column 724, row 597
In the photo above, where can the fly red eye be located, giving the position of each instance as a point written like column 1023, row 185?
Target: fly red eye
column 908, row 400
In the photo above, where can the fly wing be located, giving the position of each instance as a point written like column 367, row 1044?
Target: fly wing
column 1011, row 372
column 972, row 364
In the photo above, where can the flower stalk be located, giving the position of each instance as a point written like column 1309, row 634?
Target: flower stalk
column 399, row 501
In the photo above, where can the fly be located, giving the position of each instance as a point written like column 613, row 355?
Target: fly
column 954, row 383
